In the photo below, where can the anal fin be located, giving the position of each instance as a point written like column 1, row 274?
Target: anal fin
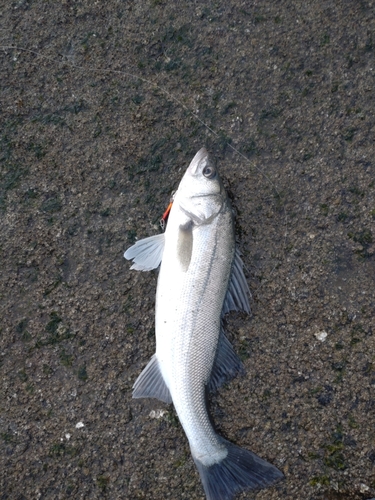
column 150, row 383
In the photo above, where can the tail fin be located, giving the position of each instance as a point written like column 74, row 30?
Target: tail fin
column 240, row 470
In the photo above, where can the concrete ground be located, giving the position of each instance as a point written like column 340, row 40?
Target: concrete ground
column 102, row 106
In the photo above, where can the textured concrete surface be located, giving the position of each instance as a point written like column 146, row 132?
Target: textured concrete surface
column 89, row 156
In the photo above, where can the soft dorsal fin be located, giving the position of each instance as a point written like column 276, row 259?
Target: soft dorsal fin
column 227, row 363
column 238, row 293
column 150, row 383
column 147, row 253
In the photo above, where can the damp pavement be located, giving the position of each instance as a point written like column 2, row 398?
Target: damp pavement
column 102, row 106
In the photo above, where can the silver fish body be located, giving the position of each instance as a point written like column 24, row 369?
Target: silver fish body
column 192, row 284
column 200, row 279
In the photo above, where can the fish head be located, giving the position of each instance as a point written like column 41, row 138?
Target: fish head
column 201, row 194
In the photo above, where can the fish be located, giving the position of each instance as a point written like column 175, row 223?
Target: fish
column 200, row 280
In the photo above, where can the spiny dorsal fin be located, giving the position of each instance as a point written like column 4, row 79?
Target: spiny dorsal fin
column 238, row 293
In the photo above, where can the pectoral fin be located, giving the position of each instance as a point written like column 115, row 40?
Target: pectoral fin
column 147, row 253
column 237, row 297
column 150, row 383
column 185, row 245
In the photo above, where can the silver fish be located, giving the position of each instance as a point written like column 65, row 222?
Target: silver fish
column 201, row 279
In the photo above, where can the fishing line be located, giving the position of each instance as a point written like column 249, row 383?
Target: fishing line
column 169, row 95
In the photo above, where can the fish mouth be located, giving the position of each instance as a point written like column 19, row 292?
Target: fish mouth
column 205, row 195
column 197, row 160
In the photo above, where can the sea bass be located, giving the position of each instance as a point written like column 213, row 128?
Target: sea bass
column 201, row 279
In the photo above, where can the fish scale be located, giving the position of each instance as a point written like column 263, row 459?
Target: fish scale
column 197, row 318
column 192, row 357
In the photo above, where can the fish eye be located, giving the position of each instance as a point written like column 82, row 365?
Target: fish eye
column 209, row 171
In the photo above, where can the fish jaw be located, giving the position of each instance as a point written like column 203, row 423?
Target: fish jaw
column 202, row 212
column 201, row 193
